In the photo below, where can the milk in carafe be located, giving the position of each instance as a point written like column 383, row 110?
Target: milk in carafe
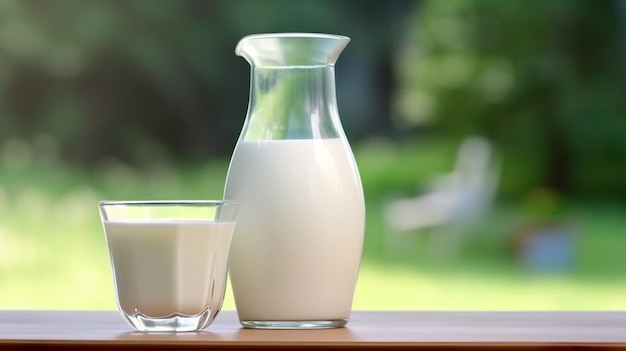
column 298, row 240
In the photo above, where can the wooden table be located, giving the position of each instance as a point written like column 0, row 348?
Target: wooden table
column 105, row 330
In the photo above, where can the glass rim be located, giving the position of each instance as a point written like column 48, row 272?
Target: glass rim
column 166, row 202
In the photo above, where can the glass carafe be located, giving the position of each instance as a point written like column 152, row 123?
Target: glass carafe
column 298, row 241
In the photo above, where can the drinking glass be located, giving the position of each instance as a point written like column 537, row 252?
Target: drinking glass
column 169, row 260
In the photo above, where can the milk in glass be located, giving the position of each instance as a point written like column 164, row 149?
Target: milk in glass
column 163, row 267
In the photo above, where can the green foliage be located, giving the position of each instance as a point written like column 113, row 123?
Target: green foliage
column 106, row 78
column 103, row 78
column 150, row 95
column 540, row 78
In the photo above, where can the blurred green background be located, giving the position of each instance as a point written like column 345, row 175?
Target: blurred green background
column 144, row 99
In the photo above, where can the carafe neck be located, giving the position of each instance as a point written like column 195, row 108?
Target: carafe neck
column 292, row 88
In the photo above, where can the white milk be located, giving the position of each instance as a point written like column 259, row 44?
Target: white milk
column 162, row 267
column 299, row 236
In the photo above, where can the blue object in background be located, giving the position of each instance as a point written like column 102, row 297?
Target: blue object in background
column 549, row 250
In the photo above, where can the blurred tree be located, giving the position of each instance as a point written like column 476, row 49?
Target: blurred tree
column 544, row 79
column 117, row 78
column 139, row 79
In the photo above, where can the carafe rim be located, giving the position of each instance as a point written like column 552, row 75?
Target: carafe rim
column 291, row 49
column 294, row 35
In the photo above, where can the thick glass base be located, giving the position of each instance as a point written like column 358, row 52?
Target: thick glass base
column 325, row 324
column 172, row 323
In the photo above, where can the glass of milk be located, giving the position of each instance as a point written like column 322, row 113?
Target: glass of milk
column 169, row 260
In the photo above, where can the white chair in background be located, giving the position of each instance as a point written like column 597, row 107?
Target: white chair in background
column 452, row 203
